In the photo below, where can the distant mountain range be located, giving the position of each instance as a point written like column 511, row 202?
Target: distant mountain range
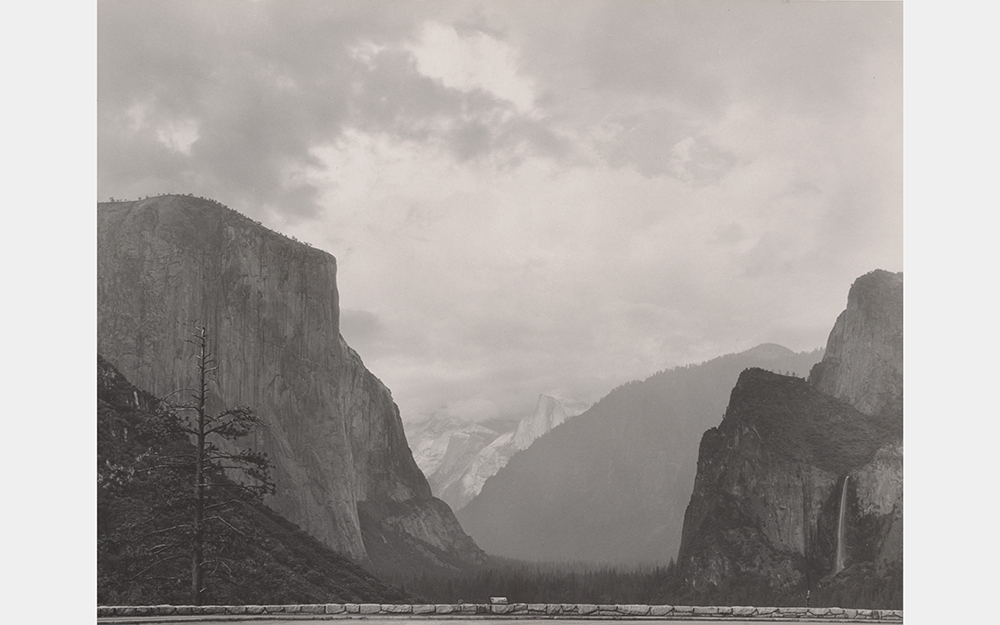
column 611, row 484
column 458, row 457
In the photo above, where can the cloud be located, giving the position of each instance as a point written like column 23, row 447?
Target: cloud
column 525, row 199
column 473, row 409
column 473, row 60
column 243, row 96
column 550, row 274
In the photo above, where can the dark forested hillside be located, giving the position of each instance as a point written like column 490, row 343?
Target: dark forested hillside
column 254, row 555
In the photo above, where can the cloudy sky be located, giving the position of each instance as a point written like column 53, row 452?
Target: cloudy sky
column 530, row 197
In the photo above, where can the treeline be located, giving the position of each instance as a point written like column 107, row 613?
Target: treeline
column 542, row 582
column 532, row 582
column 863, row 585
column 113, row 200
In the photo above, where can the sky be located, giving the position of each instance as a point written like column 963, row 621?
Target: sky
column 530, row 197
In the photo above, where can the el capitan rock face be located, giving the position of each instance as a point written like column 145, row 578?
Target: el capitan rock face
column 271, row 307
column 765, row 511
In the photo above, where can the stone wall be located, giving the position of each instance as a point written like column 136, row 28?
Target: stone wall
column 539, row 610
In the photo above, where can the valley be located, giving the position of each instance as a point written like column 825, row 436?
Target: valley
column 794, row 493
column 477, row 309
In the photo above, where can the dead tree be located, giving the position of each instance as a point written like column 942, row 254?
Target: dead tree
column 248, row 470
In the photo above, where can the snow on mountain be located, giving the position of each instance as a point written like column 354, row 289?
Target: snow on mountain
column 437, row 443
column 458, row 457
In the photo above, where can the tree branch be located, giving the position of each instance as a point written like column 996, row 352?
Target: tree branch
column 174, row 392
column 220, row 504
column 219, row 518
column 156, row 564
column 166, row 529
column 159, row 466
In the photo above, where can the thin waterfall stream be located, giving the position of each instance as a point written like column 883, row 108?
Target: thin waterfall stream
column 841, row 548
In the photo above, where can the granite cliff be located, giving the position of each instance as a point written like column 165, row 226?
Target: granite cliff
column 444, row 447
column 458, row 458
column 863, row 364
column 765, row 513
column 271, row 306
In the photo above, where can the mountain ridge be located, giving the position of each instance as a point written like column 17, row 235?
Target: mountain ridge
column 610, row 485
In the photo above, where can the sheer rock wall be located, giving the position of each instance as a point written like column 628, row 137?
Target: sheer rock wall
column 272, row 311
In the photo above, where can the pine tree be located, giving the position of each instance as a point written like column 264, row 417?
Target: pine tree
column 248, row 470
column 174, row 486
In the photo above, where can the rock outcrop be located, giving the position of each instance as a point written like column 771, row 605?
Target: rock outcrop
column 863, row 363
column 460, row 489
column 549, row 413
column 271, row 308
column 611, row 485
column 765, row 508
column 766, row 498
column 444, row 446
column 458, row 458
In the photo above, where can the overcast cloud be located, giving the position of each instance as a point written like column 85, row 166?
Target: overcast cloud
column 530, row 197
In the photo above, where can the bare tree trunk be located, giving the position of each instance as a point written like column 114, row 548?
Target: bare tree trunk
column 197, row 550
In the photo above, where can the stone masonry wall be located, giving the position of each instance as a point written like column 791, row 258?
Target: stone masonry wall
column 539, row 610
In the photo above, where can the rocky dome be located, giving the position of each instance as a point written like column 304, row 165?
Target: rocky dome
column 863, row 363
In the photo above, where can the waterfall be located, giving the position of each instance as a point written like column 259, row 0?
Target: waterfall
column 841, row 548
